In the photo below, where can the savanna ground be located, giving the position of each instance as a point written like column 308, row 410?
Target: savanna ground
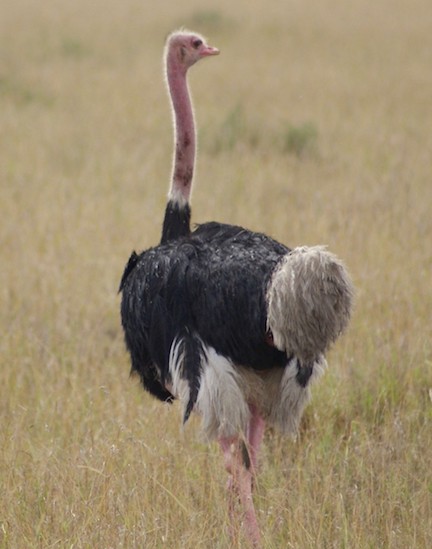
column 315, row 127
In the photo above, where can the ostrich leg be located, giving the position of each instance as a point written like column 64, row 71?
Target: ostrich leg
column 255, row 434
column 241, row 464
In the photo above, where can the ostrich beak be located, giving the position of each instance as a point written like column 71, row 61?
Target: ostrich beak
column 209, row 50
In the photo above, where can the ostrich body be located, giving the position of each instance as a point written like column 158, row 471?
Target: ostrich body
column 229, row 321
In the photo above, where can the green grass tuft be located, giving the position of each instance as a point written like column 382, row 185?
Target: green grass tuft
column 301, row 140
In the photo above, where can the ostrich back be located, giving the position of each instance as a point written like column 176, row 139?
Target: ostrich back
column 208, row 288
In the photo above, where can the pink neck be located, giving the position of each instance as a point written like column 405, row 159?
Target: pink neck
column 184, row 156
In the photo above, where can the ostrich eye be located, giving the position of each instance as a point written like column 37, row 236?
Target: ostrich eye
column 197, row 43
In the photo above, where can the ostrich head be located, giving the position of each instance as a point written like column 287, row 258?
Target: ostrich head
column 186, row 48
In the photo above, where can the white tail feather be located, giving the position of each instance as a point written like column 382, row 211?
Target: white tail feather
column 179, row 386
column 290, row 398
column 221, row 400
column 309, row 301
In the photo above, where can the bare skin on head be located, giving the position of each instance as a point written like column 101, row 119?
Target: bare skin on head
column 183, row 49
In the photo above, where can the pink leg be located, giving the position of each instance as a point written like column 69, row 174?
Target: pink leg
column 241, row 464
column 255, row 436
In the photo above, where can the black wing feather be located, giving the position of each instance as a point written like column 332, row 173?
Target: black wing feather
column 206, row 289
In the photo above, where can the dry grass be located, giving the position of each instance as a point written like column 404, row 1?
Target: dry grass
column 86, row 459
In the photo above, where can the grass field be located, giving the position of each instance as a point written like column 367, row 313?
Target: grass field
column 315, row 127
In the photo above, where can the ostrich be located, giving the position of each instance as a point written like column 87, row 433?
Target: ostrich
column 229, row 321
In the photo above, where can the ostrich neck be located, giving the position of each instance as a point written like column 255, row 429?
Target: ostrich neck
column 184, row 154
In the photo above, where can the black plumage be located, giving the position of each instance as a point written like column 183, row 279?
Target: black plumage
column 176, row 221
column 207, row 288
